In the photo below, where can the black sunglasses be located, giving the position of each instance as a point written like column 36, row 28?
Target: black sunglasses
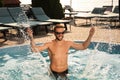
column 60, row 32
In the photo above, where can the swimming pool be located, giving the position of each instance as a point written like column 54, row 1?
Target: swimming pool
column 101, row 61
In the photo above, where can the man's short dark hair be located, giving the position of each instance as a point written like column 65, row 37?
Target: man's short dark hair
column 58, row 26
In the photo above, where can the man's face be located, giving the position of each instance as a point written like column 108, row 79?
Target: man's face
column 59, row 33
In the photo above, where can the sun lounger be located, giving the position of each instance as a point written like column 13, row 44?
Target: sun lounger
column 7, row 21
column 116, row 9
column 108, row 9
column 1, row 23
column 112, row 16
column 39, row 15
column 5, row 16
column 88, row 16
column 31, row 23
column 70, row 13
column 20, row 17
column 4, row 30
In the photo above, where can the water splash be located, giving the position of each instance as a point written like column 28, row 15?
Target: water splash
column 86, row 65
column 23, row 22
column 96, row 65
column 18, row 65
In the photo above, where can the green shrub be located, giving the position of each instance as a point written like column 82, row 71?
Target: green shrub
column 1, row 3
column 52, row 8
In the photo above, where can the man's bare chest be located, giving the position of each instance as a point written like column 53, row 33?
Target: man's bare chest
column 58, row 49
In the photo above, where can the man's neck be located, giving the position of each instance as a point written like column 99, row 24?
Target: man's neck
column 59, row 41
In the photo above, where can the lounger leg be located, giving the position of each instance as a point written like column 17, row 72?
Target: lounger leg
column 90, row 22
column 86, row 21
column 4, row 35
column 65, row 26
column 46, row 29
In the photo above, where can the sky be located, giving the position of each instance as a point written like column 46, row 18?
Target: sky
column 25, row 1
column 88, row 5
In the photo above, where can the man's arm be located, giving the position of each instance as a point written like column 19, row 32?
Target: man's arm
column 86, row 43
column 34, row 47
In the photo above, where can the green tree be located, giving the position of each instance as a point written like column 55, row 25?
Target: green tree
column 52, row 8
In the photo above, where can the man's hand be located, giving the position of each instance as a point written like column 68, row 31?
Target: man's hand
column 30, row 33
column 92, row 31
column 32, row 43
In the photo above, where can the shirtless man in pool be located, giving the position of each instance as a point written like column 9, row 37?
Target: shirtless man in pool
column 58, row 48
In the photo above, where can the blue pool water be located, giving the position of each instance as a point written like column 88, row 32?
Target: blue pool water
column 101, row 61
